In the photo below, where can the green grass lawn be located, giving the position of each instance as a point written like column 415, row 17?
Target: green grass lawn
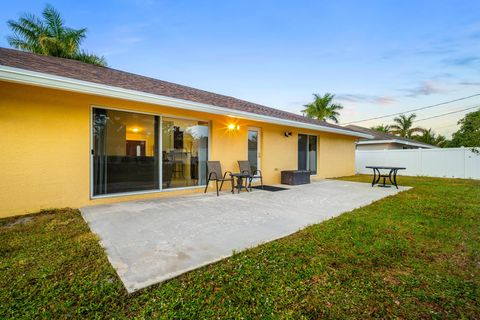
column 413, row 255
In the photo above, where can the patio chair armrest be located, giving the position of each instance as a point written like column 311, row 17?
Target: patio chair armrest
column 227, row 172
column 257, row 171
column 245, row 171
column 210, row 175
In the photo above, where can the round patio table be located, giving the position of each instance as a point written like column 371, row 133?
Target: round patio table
column 392, row 175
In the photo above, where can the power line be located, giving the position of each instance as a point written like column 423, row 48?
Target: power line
column 444, row 114
column 417, row 109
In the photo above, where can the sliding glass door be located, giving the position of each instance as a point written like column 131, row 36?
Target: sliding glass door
column 133, row 152
column 307, row 153
column 184, row 152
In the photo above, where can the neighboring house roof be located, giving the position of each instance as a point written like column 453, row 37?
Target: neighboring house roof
column 383, row 137
column 78, row 76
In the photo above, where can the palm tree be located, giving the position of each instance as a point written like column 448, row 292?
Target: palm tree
column 322, row 108
column 427, row 136
column 49, row 36
column 382, row 128
column 430, row 137
column 404, row 126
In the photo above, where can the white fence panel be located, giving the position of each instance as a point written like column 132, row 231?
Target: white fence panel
column 449, row 162
column 472, row 164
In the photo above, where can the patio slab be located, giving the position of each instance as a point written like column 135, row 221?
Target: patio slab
column 150, row 241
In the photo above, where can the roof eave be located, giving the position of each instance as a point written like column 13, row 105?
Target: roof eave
column 407, row 143
column 64, row 83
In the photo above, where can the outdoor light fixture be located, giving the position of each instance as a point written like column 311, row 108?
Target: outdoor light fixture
column 135, row 129
column 232, row 126
column 288, row 133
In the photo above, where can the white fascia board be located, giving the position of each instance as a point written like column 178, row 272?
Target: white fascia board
column 57, row 82
column 407, row 143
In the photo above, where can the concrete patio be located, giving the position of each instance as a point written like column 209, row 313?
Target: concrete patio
column 148, row 242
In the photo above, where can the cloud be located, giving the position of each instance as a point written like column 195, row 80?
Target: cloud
column 444, row 75
column 384, row 100
column 362, row 98
column 462, row 62
column 350, row 112
column 434, row 50
column 425, row 89
column 469, row 83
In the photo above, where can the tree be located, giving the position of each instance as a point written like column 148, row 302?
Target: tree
column 469, row 133
column 404, row 126
column 430, row 137
column 382, row 128
column 49, row 36
column 441, row 141
column 323, row 108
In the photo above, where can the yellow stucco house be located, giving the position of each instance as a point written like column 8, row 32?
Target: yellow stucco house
column 75, row 134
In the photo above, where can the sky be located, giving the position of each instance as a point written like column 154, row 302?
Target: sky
column 377, row 57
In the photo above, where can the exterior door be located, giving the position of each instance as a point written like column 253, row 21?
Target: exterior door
column 254, row 148
column 307, row 153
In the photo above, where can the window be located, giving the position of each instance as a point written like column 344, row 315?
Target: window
column 307, row 153
column 135, row 152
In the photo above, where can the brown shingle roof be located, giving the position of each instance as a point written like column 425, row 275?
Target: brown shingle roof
column 377, row 135
column 121, row 79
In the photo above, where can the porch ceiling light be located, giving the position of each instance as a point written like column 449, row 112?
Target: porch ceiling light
column 135, row 129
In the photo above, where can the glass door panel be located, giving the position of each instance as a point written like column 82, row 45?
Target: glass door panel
column 253, row 149
column 125, row 152
column 302, row 152
column 184, row 152
column 312, row 154
column 307, row 153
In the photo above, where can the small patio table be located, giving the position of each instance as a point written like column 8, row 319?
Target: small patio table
column 392, row 175
column 240, row 177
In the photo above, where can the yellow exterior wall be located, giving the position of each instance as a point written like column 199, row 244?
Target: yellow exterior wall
column 336, row 156
column 45, row 148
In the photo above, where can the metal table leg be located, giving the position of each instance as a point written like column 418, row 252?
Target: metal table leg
column 395, row 178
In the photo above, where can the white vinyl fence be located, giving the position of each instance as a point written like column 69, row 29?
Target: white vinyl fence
column 446, row 163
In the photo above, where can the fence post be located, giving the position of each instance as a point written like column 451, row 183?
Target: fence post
column 420, row 166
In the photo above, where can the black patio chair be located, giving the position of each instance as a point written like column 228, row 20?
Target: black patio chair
column 215, row 174
column 245, row 167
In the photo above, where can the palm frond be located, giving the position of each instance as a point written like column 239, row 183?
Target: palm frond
column 336, row 106
column 53, row 20
column 26, row 33
column 91, row 58
column 18, row 43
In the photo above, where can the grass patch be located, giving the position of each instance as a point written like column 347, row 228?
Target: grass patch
column 414, row 255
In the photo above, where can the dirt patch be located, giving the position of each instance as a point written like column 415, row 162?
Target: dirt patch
column 19, row 221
